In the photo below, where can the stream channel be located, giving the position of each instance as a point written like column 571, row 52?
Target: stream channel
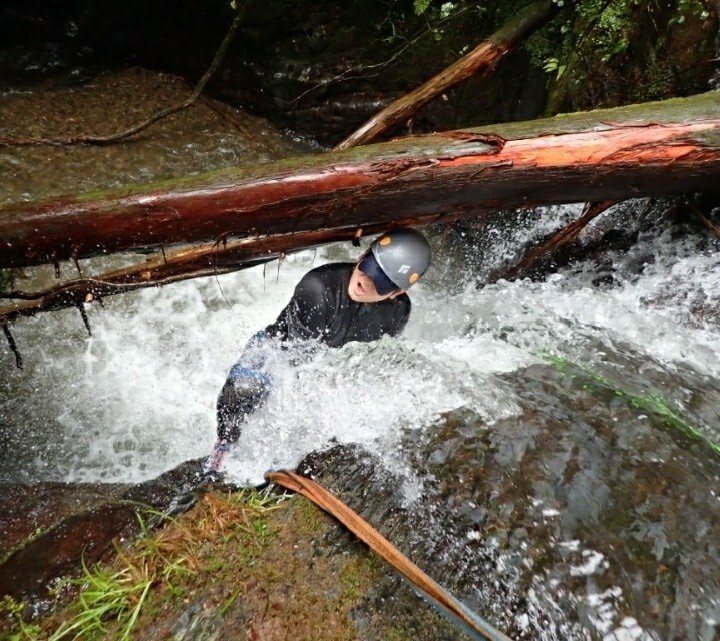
column 562, row 432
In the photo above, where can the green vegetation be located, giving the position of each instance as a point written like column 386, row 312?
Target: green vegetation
column 12, row 610
column 6, row 280
column 653, row 404
column 106, row 594
column 600, row 52
column 358, row 574
column 687, row 8
column 311, row 517
column 599, row 29
column 595, row 52
column 421, row 6
column 110, row 598
column 238, row 564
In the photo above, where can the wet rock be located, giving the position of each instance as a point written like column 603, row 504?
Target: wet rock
column 202, row 623
column 48, row 530
column 568, row 523
column 559, row 522
column 424, row 531
column 80, row 538
column 206, row 135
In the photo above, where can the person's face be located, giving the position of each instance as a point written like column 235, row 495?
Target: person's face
column 362, row 289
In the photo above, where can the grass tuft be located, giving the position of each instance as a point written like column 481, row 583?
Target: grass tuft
column 111, row 597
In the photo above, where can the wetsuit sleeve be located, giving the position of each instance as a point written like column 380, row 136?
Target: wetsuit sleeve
column 306, row 315
column 398, row 326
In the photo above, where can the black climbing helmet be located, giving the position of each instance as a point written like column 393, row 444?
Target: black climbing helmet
column 403, row 256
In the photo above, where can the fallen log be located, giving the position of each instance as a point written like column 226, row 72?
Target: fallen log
column 183, row 264
column 545, row 250
column 657, row 148
column 483, row 58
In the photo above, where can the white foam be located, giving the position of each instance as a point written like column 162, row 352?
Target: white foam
column 138, row 397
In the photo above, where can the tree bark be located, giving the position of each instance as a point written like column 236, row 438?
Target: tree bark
column 183, row 264
column 484, row 57
column 653, row 149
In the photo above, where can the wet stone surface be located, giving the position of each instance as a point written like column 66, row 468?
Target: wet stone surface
column 600, row 512
column 190, row 141
column 547, row 525
column 577, row 517
column 550, row 525
column 48, row 530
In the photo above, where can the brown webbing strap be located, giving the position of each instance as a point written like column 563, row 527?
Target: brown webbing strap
column 382, row 547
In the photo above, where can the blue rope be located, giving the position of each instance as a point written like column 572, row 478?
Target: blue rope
column 487, row 632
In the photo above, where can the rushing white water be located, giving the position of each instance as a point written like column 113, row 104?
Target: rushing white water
column 138, row 396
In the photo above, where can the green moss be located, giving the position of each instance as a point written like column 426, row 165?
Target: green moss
column 698, row 107
column 397, row 634
column 237, row 565
column 360, row 573
column 310, row 515
column 660, row 410
column 37, row 533
column 6, row 280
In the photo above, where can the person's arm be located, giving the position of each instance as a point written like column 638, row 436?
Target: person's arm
column 399, row 320
column 398, row 326
column 306, row 315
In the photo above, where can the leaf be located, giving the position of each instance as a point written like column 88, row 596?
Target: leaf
column 421, row 6
column 550, row 65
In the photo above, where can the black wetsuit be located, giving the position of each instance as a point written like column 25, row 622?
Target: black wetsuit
column 319, row 310
column 322, row 309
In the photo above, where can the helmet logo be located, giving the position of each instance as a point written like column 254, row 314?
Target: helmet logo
column 385, row 240
column 403, row 269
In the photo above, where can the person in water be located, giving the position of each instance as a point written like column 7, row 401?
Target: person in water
column 333, row 304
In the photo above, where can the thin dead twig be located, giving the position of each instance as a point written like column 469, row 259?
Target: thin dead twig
column 22, row 141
